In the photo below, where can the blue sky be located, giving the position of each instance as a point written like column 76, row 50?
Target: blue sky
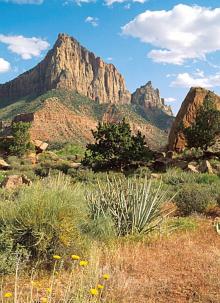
column 174, row 44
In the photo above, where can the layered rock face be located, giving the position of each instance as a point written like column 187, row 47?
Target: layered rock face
column 187, row 114
column 69, row 65
column 149, row 98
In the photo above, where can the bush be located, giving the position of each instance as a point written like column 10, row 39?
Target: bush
column 176, row 176
column 21, row 138
column 193, row 199
column 46, row 218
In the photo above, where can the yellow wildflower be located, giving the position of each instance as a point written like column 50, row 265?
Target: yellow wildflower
column 49, row 290
column 94, row 291
column 75, row 257
column 83, row 263
column 8, row 295
column 106, row 277
column 56, row 257
column 100, row 286
column 44, row 300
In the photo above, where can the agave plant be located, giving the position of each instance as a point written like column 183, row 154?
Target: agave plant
column 134, row 205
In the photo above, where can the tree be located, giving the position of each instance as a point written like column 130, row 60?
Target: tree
column 21, row 138
column 206, row 126
column 115, row 146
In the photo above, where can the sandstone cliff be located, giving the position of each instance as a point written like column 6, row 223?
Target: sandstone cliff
column 69, row 65
column 149, row 98
column 187, row 115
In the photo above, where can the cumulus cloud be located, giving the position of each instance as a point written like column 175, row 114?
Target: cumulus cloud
column 4, row 66
column 25, row 47
column 23, row 1
column 92, row 20
column 186, row 80
column 185, row 32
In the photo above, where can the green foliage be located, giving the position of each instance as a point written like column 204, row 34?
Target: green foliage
column 45, row 218
column 115, row 147
column 21, row 138
column 133, row 205
column 193, row 198
column 175, row 176
column 205, row 127
column 181, row 224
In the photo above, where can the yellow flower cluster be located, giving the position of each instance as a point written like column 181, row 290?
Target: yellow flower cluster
column 8, row 295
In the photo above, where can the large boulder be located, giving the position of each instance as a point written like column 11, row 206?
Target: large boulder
column 40, row 146
column 14, row 181
column 187, row 114
column 205, row 167
column 4, row 165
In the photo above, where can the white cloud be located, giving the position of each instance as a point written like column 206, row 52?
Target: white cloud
column 23, row 1
column 187, row 80
column 185, row 32
column 111, row 2
column 25, row 47
column 92, row 20
column 4, row 66
column 170, row 99
column 78, row 2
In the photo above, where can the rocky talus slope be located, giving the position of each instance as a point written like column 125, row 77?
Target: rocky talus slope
column 187, row 114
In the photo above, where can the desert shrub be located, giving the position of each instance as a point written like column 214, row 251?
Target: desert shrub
column 207, row 179
column 21, row 138
column 193, row 198
column 45, row 218
column 175, row 176
column 192, row 153
column 133, row 205
column 142, row 172
column 9, row 255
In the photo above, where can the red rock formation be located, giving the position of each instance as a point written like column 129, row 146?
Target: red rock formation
column 187, row 114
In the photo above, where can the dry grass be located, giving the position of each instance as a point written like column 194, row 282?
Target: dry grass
column 183, row 267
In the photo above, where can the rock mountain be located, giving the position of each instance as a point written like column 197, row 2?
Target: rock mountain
column 71, row 90
column 70, row 66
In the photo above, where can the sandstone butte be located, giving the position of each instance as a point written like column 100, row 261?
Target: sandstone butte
column 187, row 114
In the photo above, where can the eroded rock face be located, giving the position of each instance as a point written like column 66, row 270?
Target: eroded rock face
column 149, row 98
column 70, row 66
column 187, row 114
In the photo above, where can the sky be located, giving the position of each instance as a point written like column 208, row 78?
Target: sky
column 174, row 44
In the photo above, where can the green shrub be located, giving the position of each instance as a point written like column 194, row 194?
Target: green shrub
column 175, row 176
column 134, row 205
column 45, row 218
column 193, row 198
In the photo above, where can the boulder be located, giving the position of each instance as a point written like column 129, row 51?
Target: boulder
column 156, row 176
column 192, row 168
column 14, row 181
column 40, row 146
column 205, row 167
column 75, row 165
column 4, row 165
column 187, row 114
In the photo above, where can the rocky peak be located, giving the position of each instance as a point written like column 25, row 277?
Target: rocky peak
column 187, row 114
column 70, row 66
column 149, row 98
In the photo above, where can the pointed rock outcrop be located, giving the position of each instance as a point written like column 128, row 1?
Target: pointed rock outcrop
column 187, row 114
column 149, row 98
column 70, row 66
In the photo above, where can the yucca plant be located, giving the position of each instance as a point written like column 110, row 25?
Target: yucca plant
column 134, row 205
